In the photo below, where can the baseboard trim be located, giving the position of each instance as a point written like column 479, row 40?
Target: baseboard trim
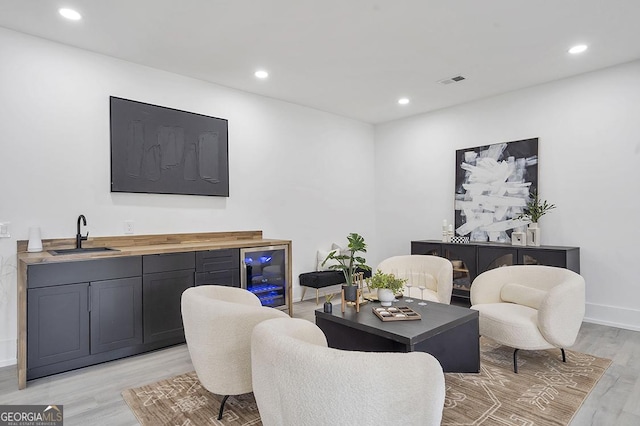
column 613, row 316
column 8, row 352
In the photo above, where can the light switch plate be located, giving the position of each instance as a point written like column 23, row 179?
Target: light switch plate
column 4, row 230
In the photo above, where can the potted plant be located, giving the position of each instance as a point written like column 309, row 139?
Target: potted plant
column 535, row 208
column 349, row 263
column 387, row 285
column 328, row 306
column 533, row 212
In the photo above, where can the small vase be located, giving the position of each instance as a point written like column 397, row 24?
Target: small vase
column 350, row 293
column 533, row 235
column 385, row 296
column 328, row 307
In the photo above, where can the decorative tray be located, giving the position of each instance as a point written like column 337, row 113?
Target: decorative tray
column 396, row 313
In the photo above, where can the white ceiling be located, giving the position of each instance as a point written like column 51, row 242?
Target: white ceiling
column 350, row 57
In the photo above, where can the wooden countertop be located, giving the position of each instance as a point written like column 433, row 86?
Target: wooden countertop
column 145, row 244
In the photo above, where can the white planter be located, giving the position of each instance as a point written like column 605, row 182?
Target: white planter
column 518, row 238
column 385, row 296
column 533, row 235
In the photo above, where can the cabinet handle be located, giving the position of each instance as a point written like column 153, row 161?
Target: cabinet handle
column 89, row 299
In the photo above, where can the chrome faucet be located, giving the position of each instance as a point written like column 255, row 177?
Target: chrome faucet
column 79, row 237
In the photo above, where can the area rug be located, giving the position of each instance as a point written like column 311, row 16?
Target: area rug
column 182, row 401
column 545, row 391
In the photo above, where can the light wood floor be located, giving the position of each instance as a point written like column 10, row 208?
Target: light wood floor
column 91, row 395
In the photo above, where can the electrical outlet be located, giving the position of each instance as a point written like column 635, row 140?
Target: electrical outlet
column 128, row 227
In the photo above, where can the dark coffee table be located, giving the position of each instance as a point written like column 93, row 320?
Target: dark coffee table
column 449, row 333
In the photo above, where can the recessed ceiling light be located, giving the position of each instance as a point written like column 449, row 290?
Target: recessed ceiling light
column 578, row 49
column 261, row 74
column 70, row 14
column 403, row 101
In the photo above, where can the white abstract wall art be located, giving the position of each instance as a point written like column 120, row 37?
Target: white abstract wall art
column 493, row 183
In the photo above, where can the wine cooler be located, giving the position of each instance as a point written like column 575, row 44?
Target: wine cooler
column 264, row 273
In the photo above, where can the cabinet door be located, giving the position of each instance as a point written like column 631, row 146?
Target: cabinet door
column 57, row 324
column 532, row 256
column 495, row 257
column 464, row 261
column 162, row 293
column 116, row 314
column 423, row 247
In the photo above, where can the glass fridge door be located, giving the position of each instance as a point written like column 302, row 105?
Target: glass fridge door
column 265, row 274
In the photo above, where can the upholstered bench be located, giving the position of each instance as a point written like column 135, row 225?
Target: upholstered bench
column 321, row 279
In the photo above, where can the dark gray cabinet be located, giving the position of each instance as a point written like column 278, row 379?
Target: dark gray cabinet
column 165, row 277
column 82, row 312
column 470, row 260
column 116, row 314
column 57, row 324
column 218, row 267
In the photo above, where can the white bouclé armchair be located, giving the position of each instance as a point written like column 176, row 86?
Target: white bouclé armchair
column 433, row 272
column 529, row 307
column 218, row 322
column 298, row 380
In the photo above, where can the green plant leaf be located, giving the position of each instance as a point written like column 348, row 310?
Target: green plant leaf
column 535, row 208
column 348, row 264
column 382, row 280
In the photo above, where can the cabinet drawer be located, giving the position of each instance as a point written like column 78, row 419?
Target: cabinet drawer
column 217, row 260
column 230, row 278
column 167, row 262
column 50, row 274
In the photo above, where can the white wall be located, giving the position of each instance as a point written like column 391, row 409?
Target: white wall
column 293, row 170
column 54, row 165
column 589, row 150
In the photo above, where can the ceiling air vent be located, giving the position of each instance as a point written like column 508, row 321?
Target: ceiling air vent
column 452, row 80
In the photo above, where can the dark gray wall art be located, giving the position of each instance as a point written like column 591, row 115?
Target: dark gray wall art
column 167, row 151
column 493, row 183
